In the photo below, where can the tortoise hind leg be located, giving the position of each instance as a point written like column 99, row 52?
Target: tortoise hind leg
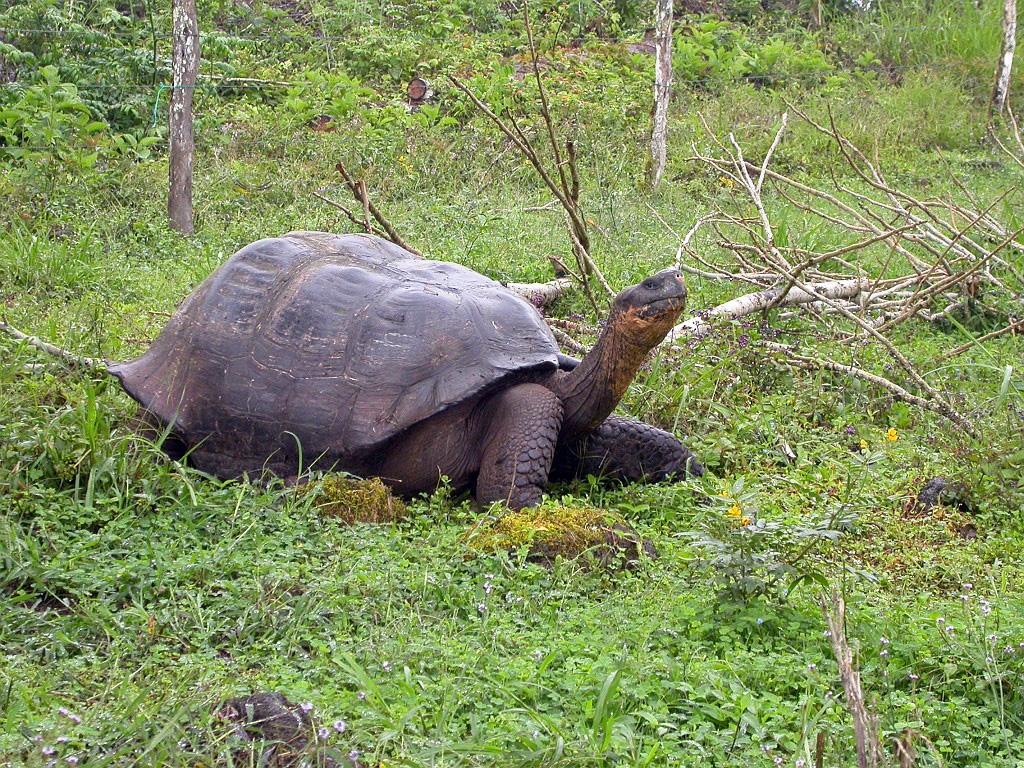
column 521, row 432
column 628, row 450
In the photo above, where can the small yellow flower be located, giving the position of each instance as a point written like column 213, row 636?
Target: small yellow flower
column 863, row 445
column 734, row 511
column 727, row 181
column 745, row 520
column 892, row 435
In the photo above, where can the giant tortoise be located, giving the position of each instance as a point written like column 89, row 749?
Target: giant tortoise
column 347, row 352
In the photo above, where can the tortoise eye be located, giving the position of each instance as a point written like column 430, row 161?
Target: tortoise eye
column 650, row 285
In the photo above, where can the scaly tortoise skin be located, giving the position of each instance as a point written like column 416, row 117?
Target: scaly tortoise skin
column 347, row 352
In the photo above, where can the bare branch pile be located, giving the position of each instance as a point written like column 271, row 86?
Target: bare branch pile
column 905, row 257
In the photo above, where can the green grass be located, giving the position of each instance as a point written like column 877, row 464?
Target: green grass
column 136, row 594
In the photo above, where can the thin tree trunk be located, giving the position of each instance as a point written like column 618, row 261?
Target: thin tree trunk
column 662, row 91
column 184, row 68
column 1002, row 89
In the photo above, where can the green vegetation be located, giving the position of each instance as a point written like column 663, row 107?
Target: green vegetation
column 136, row 595
column 353, row 500
column 548, row 533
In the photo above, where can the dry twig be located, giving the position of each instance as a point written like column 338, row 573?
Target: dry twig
column 865, row 723
column 564, row 184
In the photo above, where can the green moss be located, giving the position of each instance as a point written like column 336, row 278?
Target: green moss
column 353, row 500
column 554, row 531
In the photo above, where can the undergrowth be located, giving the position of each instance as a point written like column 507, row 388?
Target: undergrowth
column 137, row 594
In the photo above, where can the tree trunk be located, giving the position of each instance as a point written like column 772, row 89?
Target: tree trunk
column 184, row 68
column 662, row 91
column 1002, row 89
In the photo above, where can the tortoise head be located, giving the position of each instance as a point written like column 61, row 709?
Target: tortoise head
column 646, row 312
column 640, row 318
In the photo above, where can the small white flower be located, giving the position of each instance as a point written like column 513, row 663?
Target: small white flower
column 306, row 706
column 339, row 726
column 324, row 734
column 883, row 640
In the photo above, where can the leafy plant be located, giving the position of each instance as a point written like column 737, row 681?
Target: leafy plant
column 47, row 122
column 751, row 556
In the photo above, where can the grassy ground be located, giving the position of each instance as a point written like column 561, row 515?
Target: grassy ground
column 136, row 595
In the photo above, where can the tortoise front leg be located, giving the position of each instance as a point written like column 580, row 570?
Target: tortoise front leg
column 520, row 434
column 628, row 450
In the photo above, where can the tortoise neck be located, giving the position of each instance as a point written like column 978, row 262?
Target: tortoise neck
column 592, row 390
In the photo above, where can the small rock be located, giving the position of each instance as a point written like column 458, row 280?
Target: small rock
column 940, row 490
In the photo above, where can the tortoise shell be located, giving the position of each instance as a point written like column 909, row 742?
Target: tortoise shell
column 330, row 345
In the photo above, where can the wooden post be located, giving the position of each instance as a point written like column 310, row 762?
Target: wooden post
column 184, row 69
column 662, row 91
column 1002, row 89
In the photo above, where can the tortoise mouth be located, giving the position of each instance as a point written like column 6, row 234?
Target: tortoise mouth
column 672, row 305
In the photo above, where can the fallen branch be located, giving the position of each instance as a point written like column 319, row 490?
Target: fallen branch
column 567, row 341
column 698, row 326
column 542, row 294
column 92, row 363
column 1011, row 328
column 935, row 405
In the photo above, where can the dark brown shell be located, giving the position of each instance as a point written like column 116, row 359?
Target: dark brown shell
column 336, row 343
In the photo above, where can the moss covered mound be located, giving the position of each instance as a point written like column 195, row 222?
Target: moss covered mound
column 353, row 500
column 550, row 532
